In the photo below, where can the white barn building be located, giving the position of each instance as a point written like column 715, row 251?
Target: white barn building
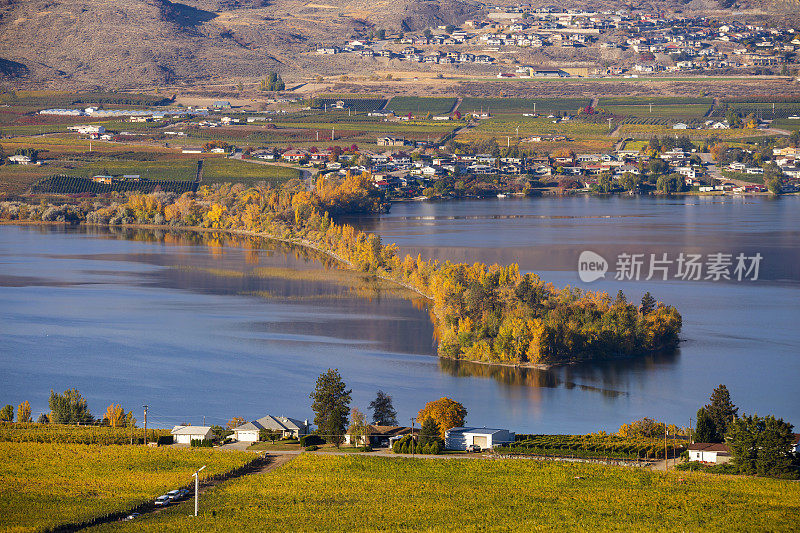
column 460, row 438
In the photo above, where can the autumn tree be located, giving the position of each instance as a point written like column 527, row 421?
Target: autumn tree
column 646, row 427
column 330, row 403
column 115, row 416
column 359, row 429
column 383, row 413
column 235, row 422
column 7, row 413
column 24, row 412
column 445, row 412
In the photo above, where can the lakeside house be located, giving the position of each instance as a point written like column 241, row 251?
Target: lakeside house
column 709, row 452
column 288, row 427
column 461, row 438
column 186, row 434
column 380, row 436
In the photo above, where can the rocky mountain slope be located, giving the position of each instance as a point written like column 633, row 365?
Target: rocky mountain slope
column 125, row 43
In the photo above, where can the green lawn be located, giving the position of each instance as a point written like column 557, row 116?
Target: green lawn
column 361, row 493
column 44, row 485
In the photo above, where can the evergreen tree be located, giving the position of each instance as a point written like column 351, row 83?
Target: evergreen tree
column 383, row 413
column 705, row 430
column 762, row 446
column 648, row 303
column 721, row 410
column 43, row 419
column 430, row 431
column 331, row 401
column 7, row 413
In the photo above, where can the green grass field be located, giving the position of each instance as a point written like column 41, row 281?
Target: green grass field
column 44, row 485
column 361, row 493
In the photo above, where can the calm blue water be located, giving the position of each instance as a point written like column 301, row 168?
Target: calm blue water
column 153, row 321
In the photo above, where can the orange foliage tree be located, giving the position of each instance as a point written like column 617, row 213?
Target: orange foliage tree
column 445, row 412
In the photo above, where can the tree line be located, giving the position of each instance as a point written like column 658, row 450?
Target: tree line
column 488, row 313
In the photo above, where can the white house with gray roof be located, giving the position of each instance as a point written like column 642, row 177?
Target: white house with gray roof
column 186, row 434
column 461, row 438
column 288, row 427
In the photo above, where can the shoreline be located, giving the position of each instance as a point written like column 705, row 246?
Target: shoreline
column 312, row 246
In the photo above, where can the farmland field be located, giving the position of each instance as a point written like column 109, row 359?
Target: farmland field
column 220, row 170
column 675, row 112
column 402, row 105
column 583, row 136
column 645, row 131
column 521, row 105
column 357, row 493
column 359, row 105
column 44, row 485
column 58, row 433
column 655, row 100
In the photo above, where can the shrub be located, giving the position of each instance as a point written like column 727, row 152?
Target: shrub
column 165, row 440
column 311, row 448
column 311, row 440
column 201, row 443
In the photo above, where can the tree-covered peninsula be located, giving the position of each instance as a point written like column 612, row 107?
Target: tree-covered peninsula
column 485, row 313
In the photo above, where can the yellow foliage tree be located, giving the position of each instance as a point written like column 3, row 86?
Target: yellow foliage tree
column 446, row 412
column 24, row 412
column 235, row 422
column 115, row 415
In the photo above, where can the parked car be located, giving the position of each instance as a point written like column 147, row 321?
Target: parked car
column 474, row 448
column 174, row 495
column 163, row 500
column 130, row 517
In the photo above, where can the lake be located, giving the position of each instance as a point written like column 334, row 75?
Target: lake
column 207, row 328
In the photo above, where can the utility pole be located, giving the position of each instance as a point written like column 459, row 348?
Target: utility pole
column 332, row 134
column 197, row 490
column 145, row 423
column 412, row 435
column 666, row 454
column 204, row 420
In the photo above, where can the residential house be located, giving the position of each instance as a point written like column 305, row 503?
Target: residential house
column 186, row 434
column 288, row 427
column 380, row 436
column 19, row 159
column 706, row 452
column 461, row 438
